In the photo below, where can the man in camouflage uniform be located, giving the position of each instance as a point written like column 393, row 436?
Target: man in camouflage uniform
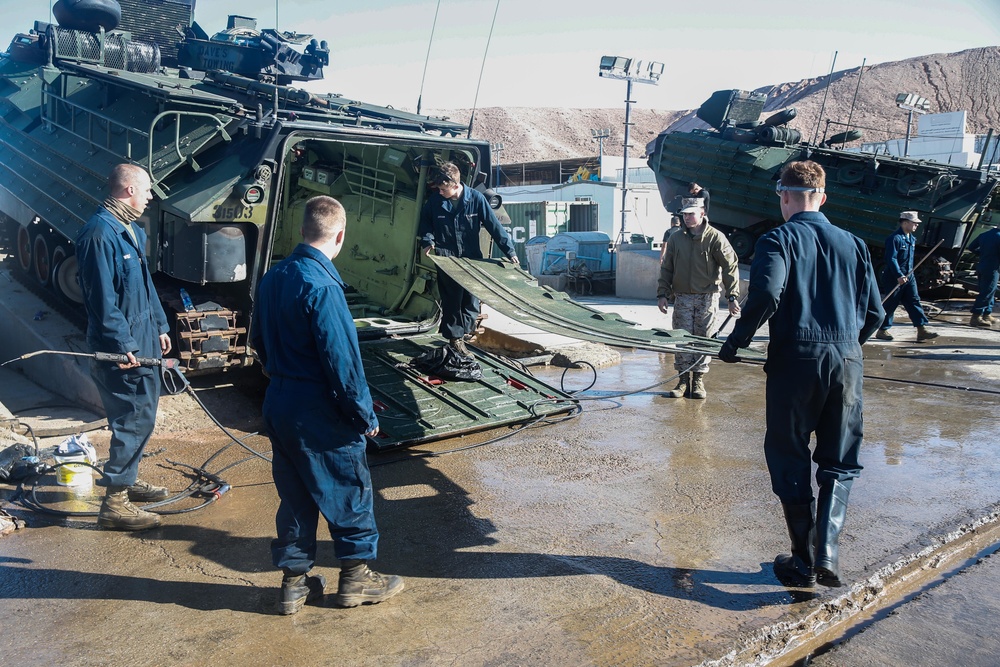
column 696, row 259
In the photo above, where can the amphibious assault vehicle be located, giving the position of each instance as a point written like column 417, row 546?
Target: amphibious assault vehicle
column 740, row 159
column 234, row 151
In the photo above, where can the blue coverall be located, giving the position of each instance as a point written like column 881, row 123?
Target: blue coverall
column 899, row 251
column 815, row 284
column 987, row 245
column 453, row 230
column 317, row 409
column 123, row 315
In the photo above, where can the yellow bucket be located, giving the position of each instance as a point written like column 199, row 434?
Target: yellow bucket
column 73, row 473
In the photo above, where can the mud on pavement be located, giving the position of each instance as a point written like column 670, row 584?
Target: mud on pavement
column 640, row 533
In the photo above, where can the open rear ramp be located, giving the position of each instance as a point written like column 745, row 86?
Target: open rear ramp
column 414, row 407
column 516, row 294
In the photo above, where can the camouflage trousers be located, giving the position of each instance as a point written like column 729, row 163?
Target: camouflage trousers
column 695, row 313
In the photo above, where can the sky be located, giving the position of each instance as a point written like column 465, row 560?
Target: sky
column 544, row 53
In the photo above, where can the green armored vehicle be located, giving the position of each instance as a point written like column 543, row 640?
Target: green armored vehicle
column 233, row 155
column 740, row 159
column 234, row 151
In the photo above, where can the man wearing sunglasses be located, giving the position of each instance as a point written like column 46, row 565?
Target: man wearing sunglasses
column 815, row 285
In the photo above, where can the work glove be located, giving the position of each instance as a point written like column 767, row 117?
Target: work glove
column 729, row 353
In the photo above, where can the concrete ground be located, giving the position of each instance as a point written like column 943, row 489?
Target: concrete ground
column 639, row 533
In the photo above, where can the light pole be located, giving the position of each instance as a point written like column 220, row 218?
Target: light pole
column 913, row 104
column 617, row 67
column 599, row 136
column 496, row 149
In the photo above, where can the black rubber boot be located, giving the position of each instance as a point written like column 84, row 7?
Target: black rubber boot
column 298, row 589
column 361, row 585
column 830, row 514
column 796, row 569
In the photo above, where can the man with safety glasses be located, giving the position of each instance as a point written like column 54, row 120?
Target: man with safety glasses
column 815, row 285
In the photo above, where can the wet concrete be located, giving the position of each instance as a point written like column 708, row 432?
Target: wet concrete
column 951, row 624
column 640, row 533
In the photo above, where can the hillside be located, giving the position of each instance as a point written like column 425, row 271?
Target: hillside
column 968, row 80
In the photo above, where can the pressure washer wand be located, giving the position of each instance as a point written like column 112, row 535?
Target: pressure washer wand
column 913, row 270
column 101, row 356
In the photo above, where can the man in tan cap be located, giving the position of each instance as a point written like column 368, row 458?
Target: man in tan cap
column 697, row 259
column 897, row 275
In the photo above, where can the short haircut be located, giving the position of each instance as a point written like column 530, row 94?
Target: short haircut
column 804, row 174
column 324, row 217
column 123, row 175
column 446, row 172
column 692, row 185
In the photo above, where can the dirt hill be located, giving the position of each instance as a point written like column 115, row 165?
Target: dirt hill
column 968, row 80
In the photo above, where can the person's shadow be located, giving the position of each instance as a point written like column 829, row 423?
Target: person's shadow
column 426, row 532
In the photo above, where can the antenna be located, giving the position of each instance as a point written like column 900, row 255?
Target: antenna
column 861, row 73
column 825, row 93
column 420, row 95
column 475, row 102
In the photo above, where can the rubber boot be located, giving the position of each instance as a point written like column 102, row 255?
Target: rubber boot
column 831, row 511
column 698, row 385
column 883, row 334
column 144, row 492
column 681, row 390
column 796, row 569
column 980, row 321
column 923, row 333
column 298, row 589
column 361, row 585
column 117, row 513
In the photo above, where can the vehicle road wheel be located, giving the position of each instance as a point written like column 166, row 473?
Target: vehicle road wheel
column 24, row 249
column 42, row 260
column 64, row 278
column 743, row 243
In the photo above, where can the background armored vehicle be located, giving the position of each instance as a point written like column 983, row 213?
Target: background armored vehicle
column 740, row 160
column 233, row 157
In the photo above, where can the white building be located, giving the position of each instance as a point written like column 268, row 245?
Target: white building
column 645, row 215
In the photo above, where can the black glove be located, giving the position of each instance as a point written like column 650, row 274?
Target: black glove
column 729, row 353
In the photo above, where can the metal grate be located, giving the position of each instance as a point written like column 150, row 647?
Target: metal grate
column 110, row 49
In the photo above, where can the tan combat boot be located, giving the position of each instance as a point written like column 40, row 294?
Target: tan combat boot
column 458, row 345
column 698, row 385
column 923, row 333
column 681, row 390
column 980, row 321
column 117, row 513
column 883, row 334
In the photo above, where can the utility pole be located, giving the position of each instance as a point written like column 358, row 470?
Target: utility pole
column 496, row 149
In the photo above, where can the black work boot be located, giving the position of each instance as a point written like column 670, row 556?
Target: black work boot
column 681, row 390
column 831, row 511
column 144, row 492
column 117, row 513
column 361, row 585
column 298, row 589
column 796, row 569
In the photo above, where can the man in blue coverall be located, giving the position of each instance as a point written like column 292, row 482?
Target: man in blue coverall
column 317, row 411
column 449, row 225
column 899, row 250
column 987, row 245
column 124, row 316
column 815, row 284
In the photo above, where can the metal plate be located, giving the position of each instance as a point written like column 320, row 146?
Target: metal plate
column 516, row 294
column 412, row 407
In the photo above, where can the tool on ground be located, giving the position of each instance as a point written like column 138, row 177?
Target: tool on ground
column 913, row 270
